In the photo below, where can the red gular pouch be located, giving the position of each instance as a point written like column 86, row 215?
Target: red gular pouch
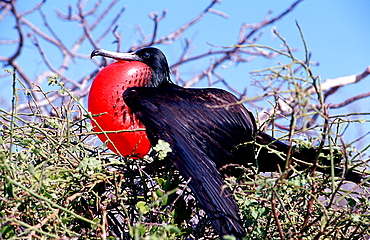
column 110, row 112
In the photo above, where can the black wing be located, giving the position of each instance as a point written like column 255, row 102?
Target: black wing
column 202, row 126
column 205, row 128
column 270, row 162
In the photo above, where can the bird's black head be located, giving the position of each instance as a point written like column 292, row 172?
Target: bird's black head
column 153, row 57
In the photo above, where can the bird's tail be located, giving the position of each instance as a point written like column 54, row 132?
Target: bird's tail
column 272, row 156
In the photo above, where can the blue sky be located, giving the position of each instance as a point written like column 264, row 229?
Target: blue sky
column 336, row 32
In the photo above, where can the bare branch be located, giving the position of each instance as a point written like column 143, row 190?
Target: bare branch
column 37, row 31
column 37, row 7
column 4, row 10
column 178, row 33
column 348, row 101
column 266, row 22
column 219, row 13
column 20, row 34
column 60, row 71
column 156, row 19
column 55, row 36
column 81, row 4
column 85, row 26
column 234, row 52
column 113, row 23
column 118, row 36
column 332, row 85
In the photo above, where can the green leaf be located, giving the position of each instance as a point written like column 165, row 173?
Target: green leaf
column 228, row 237
column 159, row 192
column 162, row 148
column 356, row 218
column 164, row 200
column 143, row 207
column 31, row 169
column 172, row 229
column 7, row 231
column 362, row 120
column 88, row 126
column 351, row 202
column 95, row 220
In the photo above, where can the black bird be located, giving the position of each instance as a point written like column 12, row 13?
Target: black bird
column 206, row 129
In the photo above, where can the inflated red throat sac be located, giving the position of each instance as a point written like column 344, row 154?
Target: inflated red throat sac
column 110, row 113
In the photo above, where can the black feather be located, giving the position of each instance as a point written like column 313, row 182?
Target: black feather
column 202, row 127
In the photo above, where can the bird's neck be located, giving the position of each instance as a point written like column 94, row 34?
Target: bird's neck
column 168, row 84
column 160, row 79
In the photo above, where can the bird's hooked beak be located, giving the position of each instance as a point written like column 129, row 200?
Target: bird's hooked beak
column 115, row 55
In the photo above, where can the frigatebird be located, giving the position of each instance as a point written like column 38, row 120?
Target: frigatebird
column 206, row 130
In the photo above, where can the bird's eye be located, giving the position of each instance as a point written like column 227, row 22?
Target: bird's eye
column 146, row 55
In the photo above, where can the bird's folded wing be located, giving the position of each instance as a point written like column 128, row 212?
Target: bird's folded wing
column 202, row 126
